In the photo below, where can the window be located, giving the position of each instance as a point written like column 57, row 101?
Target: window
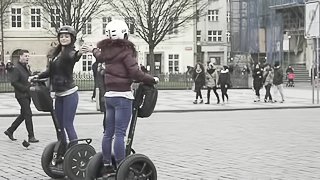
column 55, row 17
column 35, row 17
column 173, row 63
column 198, row 36
column 130, row 23
column 228, row 36
column 174, row 26
column 213, row 15
column 215, row 36
column 87, row 26
column 16, row 17
column 228, row 16
column 86, row 62
column 105, row 21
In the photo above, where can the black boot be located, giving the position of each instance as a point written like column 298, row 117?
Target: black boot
column 10, row 135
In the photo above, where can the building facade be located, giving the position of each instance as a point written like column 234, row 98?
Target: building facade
column 26, row 28
column 213, row 32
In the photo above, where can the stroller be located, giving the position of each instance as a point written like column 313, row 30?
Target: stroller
column 290, row 77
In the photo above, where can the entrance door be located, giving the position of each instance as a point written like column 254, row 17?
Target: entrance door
column 157, row 63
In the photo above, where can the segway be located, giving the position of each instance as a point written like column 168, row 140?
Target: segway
column 134, row 166
column 58, row 158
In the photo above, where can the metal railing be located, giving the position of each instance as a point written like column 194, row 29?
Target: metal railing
column 85, row 82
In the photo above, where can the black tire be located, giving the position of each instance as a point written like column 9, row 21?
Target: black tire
column 46, row 159
column 94, row 167
column 76, row 160
column 136, row 166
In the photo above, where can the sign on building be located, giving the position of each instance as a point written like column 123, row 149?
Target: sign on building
column 312, row 19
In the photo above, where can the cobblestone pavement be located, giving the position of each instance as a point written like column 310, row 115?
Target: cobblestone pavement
column 233, row 145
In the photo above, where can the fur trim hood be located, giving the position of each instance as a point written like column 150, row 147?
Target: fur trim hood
column 111, row 48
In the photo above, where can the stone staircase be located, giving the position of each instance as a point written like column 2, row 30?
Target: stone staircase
column 302, row 74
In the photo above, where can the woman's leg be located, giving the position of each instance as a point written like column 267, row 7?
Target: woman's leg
column 216, row 93
column 123, row 113
column 59, row 112
column 109, row 131
column 70, row 104
column 208, row 95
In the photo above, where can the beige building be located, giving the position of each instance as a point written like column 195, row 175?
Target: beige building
column 25, row 28
column 212, row 32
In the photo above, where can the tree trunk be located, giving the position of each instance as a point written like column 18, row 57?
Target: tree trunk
column 151, row 60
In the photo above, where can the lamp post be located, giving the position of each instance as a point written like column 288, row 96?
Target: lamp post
column 289, row 37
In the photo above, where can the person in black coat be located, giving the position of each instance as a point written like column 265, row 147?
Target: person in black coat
column 224, row 82
column 19, row 76
column 257, row 75
column 94, row 68
column 199, row 81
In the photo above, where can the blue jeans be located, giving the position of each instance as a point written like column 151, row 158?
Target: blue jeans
column 66, row 107
column 119, row 111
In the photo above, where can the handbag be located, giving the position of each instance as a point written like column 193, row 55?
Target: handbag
column 193, row 87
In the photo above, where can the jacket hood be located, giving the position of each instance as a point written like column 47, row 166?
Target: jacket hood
column 112, row 48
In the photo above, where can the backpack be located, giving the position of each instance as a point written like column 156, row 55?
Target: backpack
column 145, row 99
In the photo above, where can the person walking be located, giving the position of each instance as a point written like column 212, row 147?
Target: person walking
column 199, row 81
column 212, row 81
column 94, row 68
column 268, row 81
column 257, row 75
column 19, row 75
column 60, row 72
column 224, row 82
column 120, row 58
column 278, row 81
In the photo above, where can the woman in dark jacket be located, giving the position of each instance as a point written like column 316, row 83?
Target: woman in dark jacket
column 224, row 82
column 60, row 72
column 199, row 81
column 257, row 75
column 121, row 68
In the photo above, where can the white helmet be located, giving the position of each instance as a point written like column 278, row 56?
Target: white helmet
column 117, row 29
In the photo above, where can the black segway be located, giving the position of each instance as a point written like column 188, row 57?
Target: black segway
column 58, row 158
column 134, row 166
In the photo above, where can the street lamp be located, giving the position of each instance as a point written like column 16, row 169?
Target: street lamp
column 289, row 50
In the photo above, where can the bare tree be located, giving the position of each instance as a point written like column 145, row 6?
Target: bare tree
column 75, row 13
column 4, row 5
column 154, row 19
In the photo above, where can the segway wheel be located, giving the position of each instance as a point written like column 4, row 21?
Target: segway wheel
column 137, row 166
column 46, row 159
column 94, row 167
column 76, row 160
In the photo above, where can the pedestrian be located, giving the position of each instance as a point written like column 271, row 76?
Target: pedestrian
column 278, row 81
column 19, row 75
column 102, row 90
column 120, row 58
column 257, row 75
column 199, row 81
column 212, row 81
column 60, row 72
column 94, row 68
column 268, row 81
column 224, row 82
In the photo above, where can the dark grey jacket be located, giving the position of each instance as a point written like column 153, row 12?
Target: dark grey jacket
column 19, row 80
column 60, row 71
column 278, row 76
